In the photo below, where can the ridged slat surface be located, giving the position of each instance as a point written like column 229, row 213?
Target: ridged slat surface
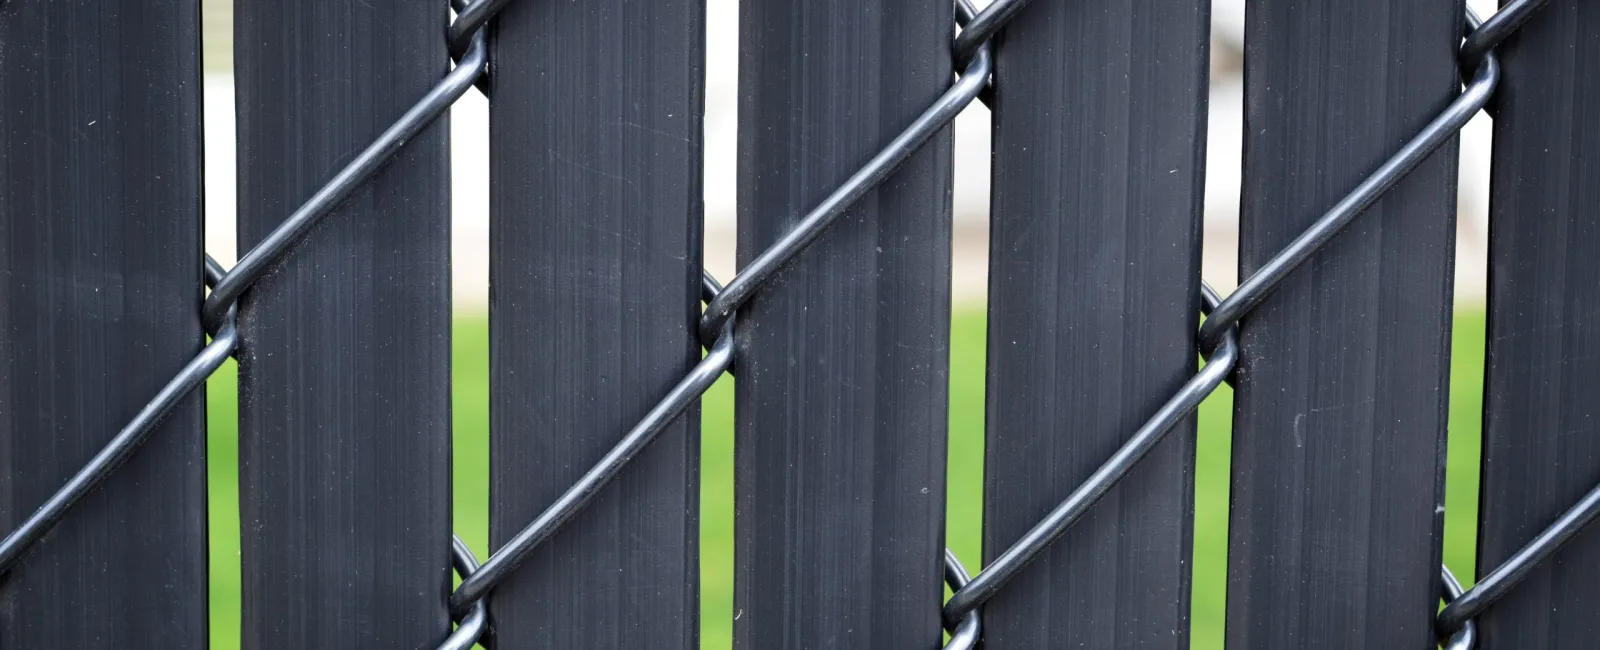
column 100, row 261
column 595, row 135
column 1339, row 414
column 1541, row 445
column 843, row 358
column 344, row 367
column 1093, row 302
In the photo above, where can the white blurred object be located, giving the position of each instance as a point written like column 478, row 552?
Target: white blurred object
column 221, row 186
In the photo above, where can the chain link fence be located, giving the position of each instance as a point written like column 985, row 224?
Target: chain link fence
column 1217, row 339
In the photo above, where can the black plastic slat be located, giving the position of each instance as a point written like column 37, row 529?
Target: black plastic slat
column 1339, row 416
column 345, row 360
column 595, row 272
column 1094, row 298
column 843, row 358
column 1541, row 446
column 100, row 288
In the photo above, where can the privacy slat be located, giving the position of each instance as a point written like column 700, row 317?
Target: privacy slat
column 1339, row 414
column 1541, row 446
column 100, row 288
column 344, row 371
column 595, row 152
column 842, row 360
column 1094, row 283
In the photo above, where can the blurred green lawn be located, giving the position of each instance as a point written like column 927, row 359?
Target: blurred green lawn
column 471, row 385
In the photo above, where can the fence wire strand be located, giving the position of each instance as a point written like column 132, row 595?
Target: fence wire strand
column 971, row 46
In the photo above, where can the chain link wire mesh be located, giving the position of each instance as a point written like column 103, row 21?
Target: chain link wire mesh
column 1216, row 340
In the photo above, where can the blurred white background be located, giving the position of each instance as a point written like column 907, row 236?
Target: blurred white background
column 469, row 144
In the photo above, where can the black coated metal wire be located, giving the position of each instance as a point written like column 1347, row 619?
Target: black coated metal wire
column 1466, row 637
column 969, row 632
column 469, row 22
column 1483, row 36
column 981, row 27
column 1216, row 339
column 476, row 622
column 1500, row 581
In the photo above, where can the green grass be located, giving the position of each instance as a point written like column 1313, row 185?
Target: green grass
column 965, row 477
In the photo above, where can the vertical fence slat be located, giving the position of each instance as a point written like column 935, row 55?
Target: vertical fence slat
column 344, row 367
column 1339, row 416
column 1094, row 299
column 595, row 259
column 841, row 396
column 1541, row 447
column 99, row 306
